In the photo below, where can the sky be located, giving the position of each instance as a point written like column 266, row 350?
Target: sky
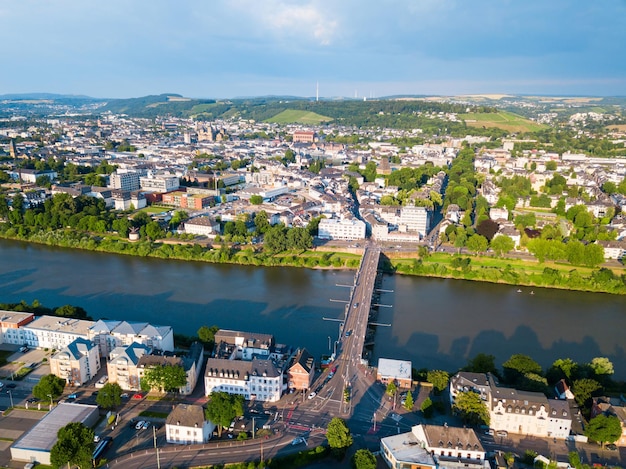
column 363, row 48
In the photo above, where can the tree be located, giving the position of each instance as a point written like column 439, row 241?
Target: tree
column 471, row 408
column 477, row 243
column 74, row 446
column 49, row 385
column 154, row 231
column 165, row 378
column 256, row 199
column 69, row 311
column 408, row 401
column 261, row 222
column 602, row 366
column 364, row 459
column 222, row 408
column 487, row 228
column 427, row 408
column 583, row 389
column 392, row 388
column 109, row 396
column 502, row 244
column 481, row 363
column 206, row 334
column 338, row 435
column 439, row 379
column 518, row 365
column 604, row 429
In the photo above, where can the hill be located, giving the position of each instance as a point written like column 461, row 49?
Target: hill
column 293, row 116
column 155, row 105
column 501, row 120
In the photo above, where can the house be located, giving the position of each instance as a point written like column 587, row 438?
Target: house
column 77, row 363
column 202, row 226
column 347, row 230
column 563, row 391
column 465, row 381
column 256, row 379
column 611, row 406
column 398, row 371
column 123, row 363
column 243, row 345
column 302, row 372
column 187, row 425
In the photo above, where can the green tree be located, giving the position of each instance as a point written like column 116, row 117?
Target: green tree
column 477, row 243
column 471, row 408
column 439, row 379
column 275, row 239
column 261, row 222
column 364, row 459
column 427, row 408
column 408, row 401
column 222, row 408
column 583, row 390
column 502, row 244
column 154, row 231
column 256, row 199
column 206, row 334
column 518, row 365
column 74, row 446
column 164, row 378
column 69, row 311
column 109, row 396
column 49, row 385
column 338, row 435
column 392, row 388
column 602, row 366
column 481, row 363
column 604, row 429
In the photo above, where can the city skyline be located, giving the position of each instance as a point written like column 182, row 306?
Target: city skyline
column 225, row 49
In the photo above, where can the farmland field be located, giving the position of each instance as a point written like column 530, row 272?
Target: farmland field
column 293, row 116
column 502, row 120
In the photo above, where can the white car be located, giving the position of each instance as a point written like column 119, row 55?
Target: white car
column 312, row 395
column 139, row 425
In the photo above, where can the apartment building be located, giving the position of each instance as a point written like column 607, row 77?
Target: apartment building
column 186, row 425
column 126, row 181
column 256, row 379
column 302, row 371
column 77, row 363
column 348, row 230
column 110, row 334
column 159, row 183
column 238, row 345
column 202, row 226
column 122, row 367
column 55, row 332
column 11, row 326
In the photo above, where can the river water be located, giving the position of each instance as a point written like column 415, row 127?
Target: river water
column 435, row 323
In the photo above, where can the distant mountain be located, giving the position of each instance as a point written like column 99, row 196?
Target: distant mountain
column 157, row 105
column 46, row 96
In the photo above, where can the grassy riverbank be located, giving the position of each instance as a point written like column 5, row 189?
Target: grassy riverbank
column 442, row 265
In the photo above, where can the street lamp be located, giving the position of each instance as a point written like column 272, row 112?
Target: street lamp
column 51, row 403
column 10, row 396
column 328, row 344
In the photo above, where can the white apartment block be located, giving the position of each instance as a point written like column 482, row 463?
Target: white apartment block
column 202, row 226
column 256, row 379
column 127, row 181
column 348, row 230
column 55, row 332
column 159, row 183
column 77, row 363
column 109, row 334
column 414, row 218
column 11, row 327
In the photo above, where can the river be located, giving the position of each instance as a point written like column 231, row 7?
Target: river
column 435, row 323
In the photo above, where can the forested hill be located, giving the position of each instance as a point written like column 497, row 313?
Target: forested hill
column 156, row 105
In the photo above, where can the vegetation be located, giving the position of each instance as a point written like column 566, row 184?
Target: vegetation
column 502, row 120
column 74, row 446
column 49, row 385
column 109, row 396
column 604, row 429
column 471, row 408
column 222, row 408
column 292, row 116
column 364, row 459
column 338, row 435
column 164, row 378
column 439, row 379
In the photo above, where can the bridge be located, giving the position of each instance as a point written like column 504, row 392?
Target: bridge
column 353, row 331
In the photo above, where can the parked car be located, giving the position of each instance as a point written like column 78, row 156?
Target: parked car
column 139, row 424
column 72, row 396
column 11, row 385
column 611, row 447
column 312, row 395
column 124, row 395
column 145, row 425
column 502, row 433
column 138, row 396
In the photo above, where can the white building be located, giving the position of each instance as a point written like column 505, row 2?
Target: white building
column 127, row 181
column 256, row 379
column 55, row 332
column 159, row 183
column 77, row 363
column 109, row 334
column 202, row 226
column 332, row 228
column 414, row 218
column 243, row 345
column 11, row 327
column 186, row 425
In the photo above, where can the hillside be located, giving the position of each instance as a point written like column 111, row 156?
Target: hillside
column 155, row 105
column 292, row 116
column 502, row 120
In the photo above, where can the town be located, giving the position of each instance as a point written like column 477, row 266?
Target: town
column 240, row 187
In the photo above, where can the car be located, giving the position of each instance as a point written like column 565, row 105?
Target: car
column 356, row 305
column 490, row 432
column 11, row 385
column 32, row 400
column 138, row 396
column 139, row 424
column 94, row 394
column 145, row 425
column 23, row 349
column 502, row 433
column 312, row 395
column 124, row 395
column 611, row 447
column 29, row 465
column 348, row 333
column 254, row 411
column 72, row 396
column 96, row 438
column 298, row 440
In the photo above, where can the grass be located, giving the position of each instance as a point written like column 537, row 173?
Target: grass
column 293, row 116
column 155, row 415
column 503, row 120
column 4, row 355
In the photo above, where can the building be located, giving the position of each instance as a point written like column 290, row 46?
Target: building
column 126, row 181
column 55, row 332
column 303, row 136
column 156, row 360
column 192, row 363
column 513, row 411
column 110, row 334
column 242, row 345
column 302, row 372
column 202, row 226
column 122, row 367
column 77, row 363
column 11, row 326
column 256, row 379
column 414, row 219
column 35, row 444
column 186, row 425
column 611, row 406
column 434, row 446
column 159, row 183
column 348, row 230
column 398, row 371
column 184, row 199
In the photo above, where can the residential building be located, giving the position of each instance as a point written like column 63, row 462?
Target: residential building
column 256, row 379
column 122, row 367
column 303, row 136
column 109, row 334
column 159, row 183
column 397, row 371
column 242, row 345
column 126, row 181
column 77, row 363
column 202, row 226
column 11, row 326
column 186, row 425
column 413, row 218
column 192, row 363
column 611, row 406
column 149, row 361
column 302, row 371
column 332, row 228
column 55, row 332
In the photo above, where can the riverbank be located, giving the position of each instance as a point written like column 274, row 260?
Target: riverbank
column 441, row 265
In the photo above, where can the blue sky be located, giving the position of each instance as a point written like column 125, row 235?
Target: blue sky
column 229, row 48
